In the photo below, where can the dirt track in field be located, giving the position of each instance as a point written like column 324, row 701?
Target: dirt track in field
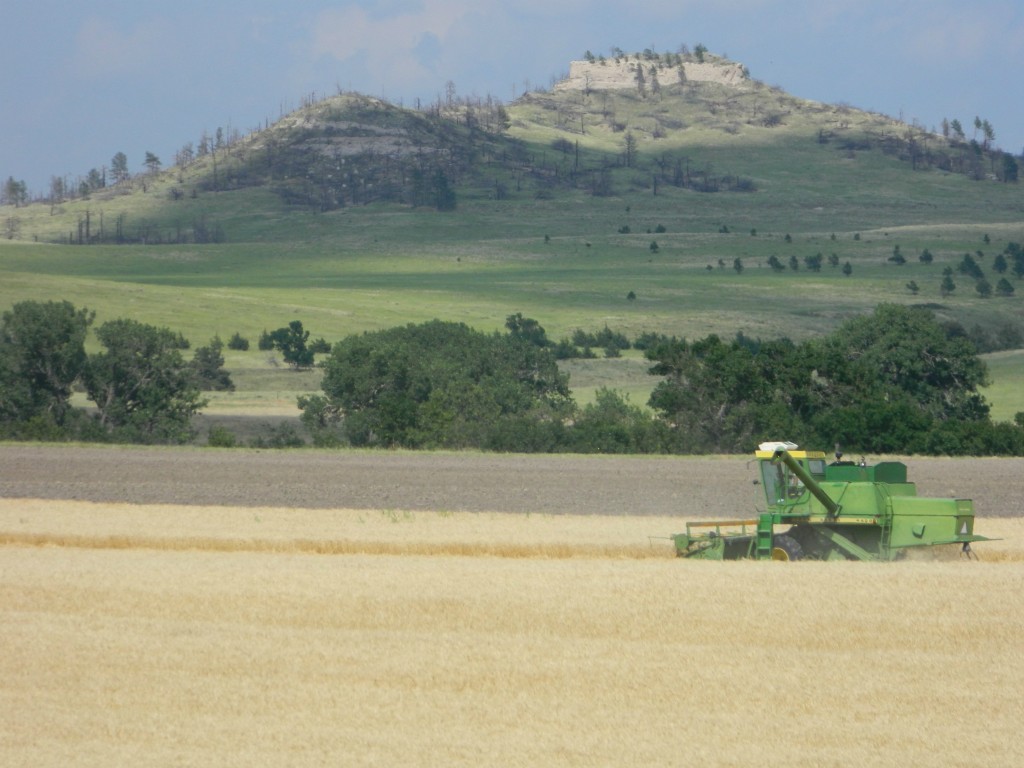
column 604, row 485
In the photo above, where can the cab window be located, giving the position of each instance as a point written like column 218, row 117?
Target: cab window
column 779, row 483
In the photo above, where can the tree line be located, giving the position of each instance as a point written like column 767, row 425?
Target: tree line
column 895, row 381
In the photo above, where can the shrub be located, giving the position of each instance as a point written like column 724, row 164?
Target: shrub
column 565, row 350
column 650, row 339
column 283, row 435
column 221, row 437
column 238, row 343
column 208, row 364
column 603, row 339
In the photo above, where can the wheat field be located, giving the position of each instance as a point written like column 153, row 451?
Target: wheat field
column 214, row 636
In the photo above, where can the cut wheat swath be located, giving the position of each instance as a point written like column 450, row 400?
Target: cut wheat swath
column 35, row 522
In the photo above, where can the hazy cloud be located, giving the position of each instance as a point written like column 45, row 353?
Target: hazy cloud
column 102, row 49
column 965, row 36
column 428, row 50
column 339, row 32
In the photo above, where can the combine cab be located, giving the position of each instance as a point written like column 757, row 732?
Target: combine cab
column 832, row 511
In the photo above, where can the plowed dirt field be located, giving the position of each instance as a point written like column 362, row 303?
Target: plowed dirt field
column 604, row 485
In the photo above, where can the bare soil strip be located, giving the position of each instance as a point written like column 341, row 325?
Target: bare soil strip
column 602, row 485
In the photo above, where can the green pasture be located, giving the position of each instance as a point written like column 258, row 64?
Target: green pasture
column 1006, row 393
column 688, row 287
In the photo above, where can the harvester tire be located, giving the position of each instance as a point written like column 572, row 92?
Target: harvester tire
column 786, row 548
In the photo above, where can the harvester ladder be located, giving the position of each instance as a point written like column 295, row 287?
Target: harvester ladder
column 886, row 525
column 764, row 537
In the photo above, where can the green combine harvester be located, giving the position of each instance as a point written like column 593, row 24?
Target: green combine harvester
column 832, row 511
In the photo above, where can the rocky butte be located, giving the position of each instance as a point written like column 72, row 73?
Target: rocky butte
column 621, row 73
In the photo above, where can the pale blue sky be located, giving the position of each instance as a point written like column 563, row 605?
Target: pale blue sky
column 82, row 81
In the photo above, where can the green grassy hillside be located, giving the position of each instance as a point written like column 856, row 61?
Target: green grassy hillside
column 580, row 209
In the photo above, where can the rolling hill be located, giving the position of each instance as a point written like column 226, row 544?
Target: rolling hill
column 606, row 130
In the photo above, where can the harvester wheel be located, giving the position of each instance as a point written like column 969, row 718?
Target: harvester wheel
column 786, row 548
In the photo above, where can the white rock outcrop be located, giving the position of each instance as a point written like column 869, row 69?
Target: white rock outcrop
column 611, row 75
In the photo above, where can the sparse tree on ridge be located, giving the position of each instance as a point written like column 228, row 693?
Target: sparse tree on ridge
column 57, row 190
column 989, row 134
column 119, row 167
column 641, row 82
column 15, row 192
column 185, row 155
